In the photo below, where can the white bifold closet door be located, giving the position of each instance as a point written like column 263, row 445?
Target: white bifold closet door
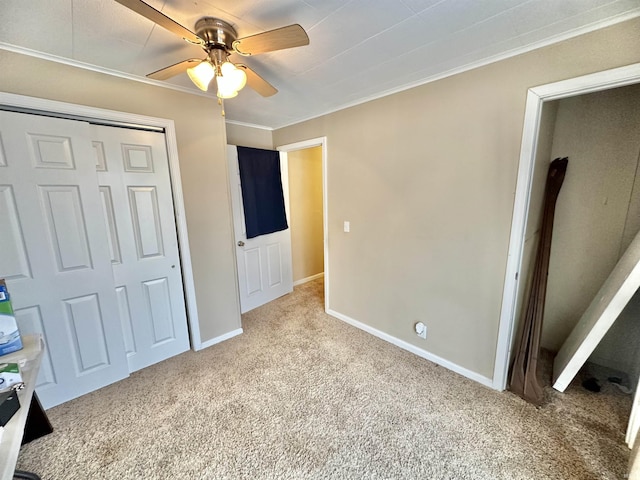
column 133, row 178
column 56, row 252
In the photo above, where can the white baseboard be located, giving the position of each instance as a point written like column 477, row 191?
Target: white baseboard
column 308, row 279
column 476, row 377
column 219, row 339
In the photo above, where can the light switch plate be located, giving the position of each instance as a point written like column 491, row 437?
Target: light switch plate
column 347, row 227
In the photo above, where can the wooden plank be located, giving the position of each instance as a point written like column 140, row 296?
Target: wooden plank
column 605, row 308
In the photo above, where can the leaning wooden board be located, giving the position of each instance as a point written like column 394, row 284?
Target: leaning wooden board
column 605, row 308
column 524, row 373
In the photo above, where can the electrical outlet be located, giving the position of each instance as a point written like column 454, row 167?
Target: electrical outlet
column 421, row 330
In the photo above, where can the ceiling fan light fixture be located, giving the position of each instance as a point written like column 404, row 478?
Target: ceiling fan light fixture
column 234, row 75
column 202, row 74
column 232, row 80
column 219, row 39
column 225, row 89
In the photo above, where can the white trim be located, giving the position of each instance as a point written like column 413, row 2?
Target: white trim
column 183, row 236
column 250, row 125
column 220, row 338
column 308, row 279
column 594, row 82
column 634, row 420
column 318, row 142
column 516, row 241
column 12, row 100
column 476, row 377
column 284, row 174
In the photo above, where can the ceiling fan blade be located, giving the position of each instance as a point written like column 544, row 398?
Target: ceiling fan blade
column 175, row 69
column 161, row 19
column 258, row 83
column 278, row 39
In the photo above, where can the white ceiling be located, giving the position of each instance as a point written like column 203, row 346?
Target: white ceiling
column 359, row 49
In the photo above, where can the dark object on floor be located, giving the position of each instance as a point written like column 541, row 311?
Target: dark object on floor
column 524, row 375
column 615, row 380
column 20, row 475
column 591, row 384
column 38, row 424
column 9, row 405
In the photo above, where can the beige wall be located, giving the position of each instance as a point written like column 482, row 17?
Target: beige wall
column 600, row 133
column 200, row 132
column 427, row 179
column 246, row 136
column 305, row 207
column 597, row 216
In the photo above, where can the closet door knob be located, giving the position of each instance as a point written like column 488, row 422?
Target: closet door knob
column 241, row 243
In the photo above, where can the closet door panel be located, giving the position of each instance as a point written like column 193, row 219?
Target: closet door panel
column 58, row 260
column 133, row 166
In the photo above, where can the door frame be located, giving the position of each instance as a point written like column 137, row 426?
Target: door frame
column 130, row 120
column 634, row 420
column 315, row 142
column 605, row 80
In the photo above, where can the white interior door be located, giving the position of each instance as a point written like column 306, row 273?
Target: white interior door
column 264, row 262
column 135, row 188
column 54, row 254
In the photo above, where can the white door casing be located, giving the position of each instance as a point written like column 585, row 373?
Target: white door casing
column 614, row 78
column 133, row 176
column 322, row 143
column 264, row 262
column 55, row 254
column 634, row 420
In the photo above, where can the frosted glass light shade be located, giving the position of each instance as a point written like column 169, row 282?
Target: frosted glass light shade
column 233, row 79
column 225, row 88
column 202, row 74
column 235, row 75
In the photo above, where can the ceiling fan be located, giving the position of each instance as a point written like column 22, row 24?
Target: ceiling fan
column 219, row 40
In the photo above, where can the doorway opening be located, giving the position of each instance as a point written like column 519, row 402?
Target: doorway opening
column 305, row 166
column 265, row 262
column 514, row 281
column 554, row 110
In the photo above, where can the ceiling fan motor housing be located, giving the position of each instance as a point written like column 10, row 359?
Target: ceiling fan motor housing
column 216, row 33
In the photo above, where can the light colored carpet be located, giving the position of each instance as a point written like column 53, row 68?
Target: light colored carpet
column 304, row 396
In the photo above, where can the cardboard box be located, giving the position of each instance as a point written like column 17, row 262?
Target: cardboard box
column 10, row 340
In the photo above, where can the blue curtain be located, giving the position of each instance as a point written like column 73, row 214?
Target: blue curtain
column 261, row 191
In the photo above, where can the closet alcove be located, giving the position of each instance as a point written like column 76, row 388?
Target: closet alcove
column 597, row 217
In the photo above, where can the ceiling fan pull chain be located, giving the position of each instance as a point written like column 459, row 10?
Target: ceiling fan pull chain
column 221, row 103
